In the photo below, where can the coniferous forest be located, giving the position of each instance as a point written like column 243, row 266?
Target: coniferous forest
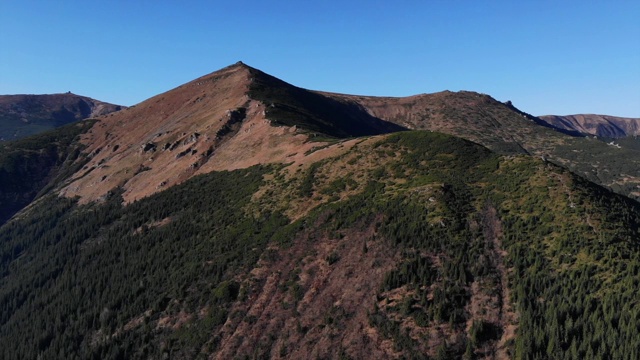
column 480, row 255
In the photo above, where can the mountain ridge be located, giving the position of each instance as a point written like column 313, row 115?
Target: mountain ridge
column 22, row 115
column 604, row 126
column 239, row 116
column 240, row 216
column 227, row 115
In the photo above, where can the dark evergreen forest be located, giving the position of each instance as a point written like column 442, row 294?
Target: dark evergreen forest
column 111, row 281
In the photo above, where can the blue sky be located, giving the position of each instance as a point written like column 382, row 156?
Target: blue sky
column 547, row 57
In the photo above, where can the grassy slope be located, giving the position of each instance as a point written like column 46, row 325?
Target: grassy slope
column 462, row 227
column 507, row 130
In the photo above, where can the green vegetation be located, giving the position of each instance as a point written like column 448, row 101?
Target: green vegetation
column 611, row 163
column 306, row 187
column 36, row 119
column 572, row 248
column 31, row 166
column 27, row 115
column 159, row 277
column 576, row 269
column 88, row 281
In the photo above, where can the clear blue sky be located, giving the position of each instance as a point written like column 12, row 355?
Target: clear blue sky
column 548, row 57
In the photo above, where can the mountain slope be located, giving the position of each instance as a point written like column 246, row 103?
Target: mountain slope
column 410, row 245
column 327, row 115
column 225, row 120
column 505, row 129
column 604, row 126
column 239, row 116
column 25, row 115
column 35, row 165
column 240, row 216
column 471, row 115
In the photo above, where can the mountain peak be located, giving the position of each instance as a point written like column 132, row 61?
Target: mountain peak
column 237, row 65
column 232, row 118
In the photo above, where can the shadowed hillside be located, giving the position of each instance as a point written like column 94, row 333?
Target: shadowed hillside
column 292, row 106
column 36, row 165
column 25, row 115
column 603, row 126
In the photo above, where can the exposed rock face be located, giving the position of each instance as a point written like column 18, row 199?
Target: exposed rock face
column 148, row 147
column 599, row 125
column 24, row 115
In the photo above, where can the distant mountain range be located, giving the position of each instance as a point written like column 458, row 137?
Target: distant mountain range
column 239, row 216
column 604, row 126
column 24, row 115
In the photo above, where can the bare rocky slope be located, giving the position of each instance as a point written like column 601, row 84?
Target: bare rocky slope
column 604, row 126
column 233, row 118
column 25, row 115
